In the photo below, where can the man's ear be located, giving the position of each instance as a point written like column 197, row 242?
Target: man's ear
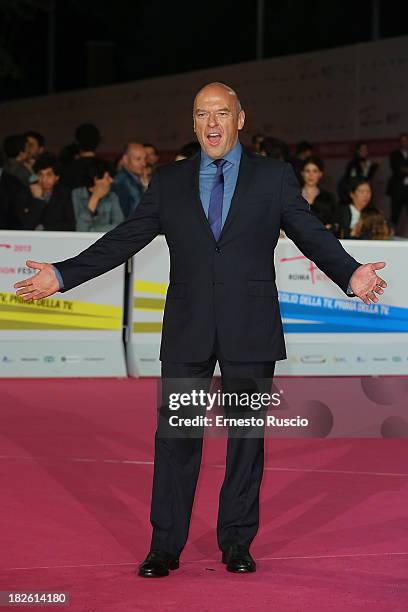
column 241, row 119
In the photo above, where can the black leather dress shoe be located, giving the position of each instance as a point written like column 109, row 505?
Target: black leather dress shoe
column 157, row 564
column 238, row 559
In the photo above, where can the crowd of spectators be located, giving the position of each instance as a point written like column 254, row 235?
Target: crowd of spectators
column 350, row 212
column 78, row 190
column 74, row 191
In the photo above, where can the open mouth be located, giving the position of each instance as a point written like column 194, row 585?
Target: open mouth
column 214, row 138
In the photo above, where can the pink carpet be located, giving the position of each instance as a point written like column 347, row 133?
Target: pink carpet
column 76, row 469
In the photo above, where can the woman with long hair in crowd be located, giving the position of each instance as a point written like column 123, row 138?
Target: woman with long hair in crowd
column 322, row 203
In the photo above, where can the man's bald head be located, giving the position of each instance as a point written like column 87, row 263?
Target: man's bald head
column 212, row 88
column 218, row 117
column 134, row 147
column 134, row 158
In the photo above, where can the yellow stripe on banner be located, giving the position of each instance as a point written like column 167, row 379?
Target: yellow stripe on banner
column 20, row 325
column 147, row 328
column 39, row 310
column 66, row 321
column 144, row 286
column 57, row 313
column 59, row 305
column 142, row 303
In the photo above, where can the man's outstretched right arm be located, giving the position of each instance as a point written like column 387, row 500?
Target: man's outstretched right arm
column 113, row 249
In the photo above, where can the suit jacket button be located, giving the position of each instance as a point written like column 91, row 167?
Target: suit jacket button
column 217, row 249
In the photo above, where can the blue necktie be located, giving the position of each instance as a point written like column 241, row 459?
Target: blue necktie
column 217, row 194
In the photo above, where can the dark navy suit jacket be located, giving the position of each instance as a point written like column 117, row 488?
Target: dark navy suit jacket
column 225, row 287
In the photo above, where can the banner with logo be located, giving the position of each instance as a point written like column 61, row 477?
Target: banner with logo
column 327, row 333
column 78, row 333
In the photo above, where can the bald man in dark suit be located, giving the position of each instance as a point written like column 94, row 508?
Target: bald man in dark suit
column 221, row 212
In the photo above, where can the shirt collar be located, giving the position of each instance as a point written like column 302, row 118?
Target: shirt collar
column 232, row 156
column 135, row 177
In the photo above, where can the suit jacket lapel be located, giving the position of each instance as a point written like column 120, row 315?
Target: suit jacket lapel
column 197, row 199
column 243, row 181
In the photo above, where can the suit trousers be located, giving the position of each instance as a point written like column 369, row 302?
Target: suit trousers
column 178, row 457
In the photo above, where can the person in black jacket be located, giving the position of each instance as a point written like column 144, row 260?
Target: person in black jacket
column 397, row 187
column 15, row 150
column 275, row 148
column 360, row 166
column 322, row 203
column 87, row 138
column 15, row 203
column 15, row 196
column 304, row 149
column 221, row 212
column 52, row 202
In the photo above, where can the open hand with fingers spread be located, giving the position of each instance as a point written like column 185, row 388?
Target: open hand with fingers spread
column 365, row 282
column 41, row 285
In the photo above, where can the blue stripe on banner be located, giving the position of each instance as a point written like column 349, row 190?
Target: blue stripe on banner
column 332, row 315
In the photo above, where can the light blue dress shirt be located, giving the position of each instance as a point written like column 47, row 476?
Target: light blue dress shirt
column 208, row 171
